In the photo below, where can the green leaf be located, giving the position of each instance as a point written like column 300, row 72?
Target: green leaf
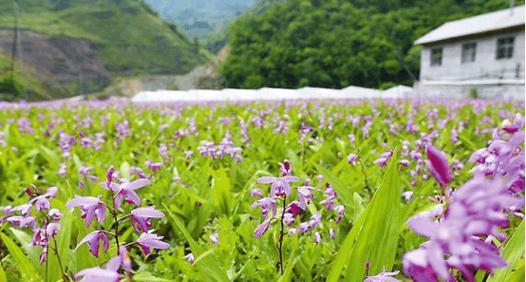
column 208, row 263
column 513, row 253
column 3, row 277
column 221, row 196
column 32, row 253
column 26, row 268
column 148, row 277
column 374, row 237
column 125, row 170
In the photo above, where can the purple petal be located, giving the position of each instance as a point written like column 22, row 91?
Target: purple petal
column 267, row 179
column 148, row 212
column 139, row 183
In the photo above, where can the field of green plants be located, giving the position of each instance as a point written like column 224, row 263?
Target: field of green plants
column 358, row 190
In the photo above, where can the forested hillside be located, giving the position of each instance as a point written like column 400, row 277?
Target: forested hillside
column 336, row 43
column 200, row 18
column 71, row 47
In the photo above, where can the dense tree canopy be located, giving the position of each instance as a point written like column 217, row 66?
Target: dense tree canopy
column 336, row 43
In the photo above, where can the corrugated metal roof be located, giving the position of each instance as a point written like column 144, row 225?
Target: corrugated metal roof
column 498, row 20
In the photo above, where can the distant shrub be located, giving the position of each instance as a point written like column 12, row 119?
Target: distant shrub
column 9, row 84
column 474, row 93
column 172, row 86
column 386, row 85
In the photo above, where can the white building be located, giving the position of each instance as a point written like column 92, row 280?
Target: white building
column 481, row 55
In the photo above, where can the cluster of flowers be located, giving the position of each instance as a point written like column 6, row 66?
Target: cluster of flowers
column 140, row 217
column 280, row 190
column 462, row 231
column 38, row 216
column 224, row 148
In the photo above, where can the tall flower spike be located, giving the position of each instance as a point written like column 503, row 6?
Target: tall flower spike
column 438, row 165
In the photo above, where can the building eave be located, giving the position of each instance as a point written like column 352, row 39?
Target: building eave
column 471, row 36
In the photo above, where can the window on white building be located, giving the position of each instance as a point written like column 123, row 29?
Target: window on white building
column 469, row 51
column 436, row 56
column 505, row 47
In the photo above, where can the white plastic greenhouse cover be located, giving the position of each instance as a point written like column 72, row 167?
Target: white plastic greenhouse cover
column 265, row 94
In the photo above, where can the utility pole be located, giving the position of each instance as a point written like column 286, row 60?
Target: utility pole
column 15, row 38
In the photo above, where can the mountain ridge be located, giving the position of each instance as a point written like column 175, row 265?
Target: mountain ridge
column 126, row 36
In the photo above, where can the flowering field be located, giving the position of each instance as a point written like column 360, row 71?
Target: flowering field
column 335, row 191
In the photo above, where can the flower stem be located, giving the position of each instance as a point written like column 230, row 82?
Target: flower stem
column 115, row 221
column 47, row 264
column 281, row 234
column 59, row 260
column 365, row 177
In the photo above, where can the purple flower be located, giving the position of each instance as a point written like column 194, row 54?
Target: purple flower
column 331, row 196
column 140, row 217
column 22, row 221
column 383, row 277
column 55, row 214
column 91, row 207
column 256, row 193
column 279, row 185
column 126, row 191
column 214, row 238
column 384, row 158
column 93, row 239
column 510, row 127
column 340, row 210
column 52, row 229
column 303, row 227
column 153, row 166
column 42, row 202
column 317, row 238
column 408, row 196
column 262, row 228
column 266, row 204
column 122, row 259
column 475, row 211
column 288, row 219
column 305, row 195
column 97, row 274
column 24, row 209
column 294, row 208
column 151, row 240
column 315, row 220
column 352, row 159
column 190, row 258
column 438, row 165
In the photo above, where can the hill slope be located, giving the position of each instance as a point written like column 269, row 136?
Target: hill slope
column 87, row 42
column 200, row 18
column 336, row 43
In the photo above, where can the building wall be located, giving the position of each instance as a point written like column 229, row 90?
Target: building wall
column 485, row 66
column 495, row 91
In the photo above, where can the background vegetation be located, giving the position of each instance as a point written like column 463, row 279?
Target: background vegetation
column 336, row 43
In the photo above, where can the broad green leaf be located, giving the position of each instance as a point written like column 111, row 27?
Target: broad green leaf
column 374, row 237
column 125, row 170
column 148, row 277
column 3, row 277
column 32, row 253
column 513, row 253
column 221, row 195
column 208, row 264
column 26, row 268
